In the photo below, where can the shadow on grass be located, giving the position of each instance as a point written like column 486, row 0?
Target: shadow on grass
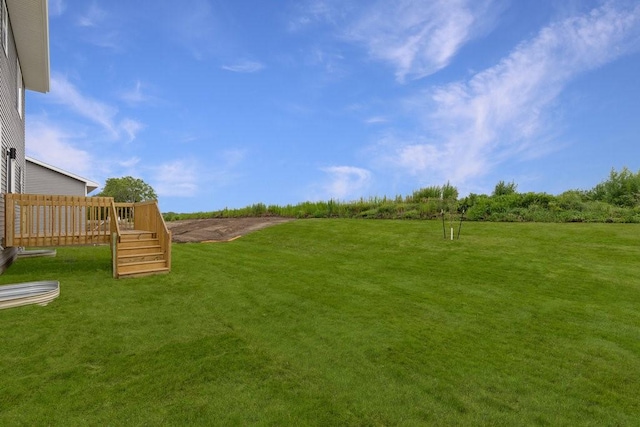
column 76, row 262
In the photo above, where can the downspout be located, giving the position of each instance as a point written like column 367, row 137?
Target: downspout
column 11, row 170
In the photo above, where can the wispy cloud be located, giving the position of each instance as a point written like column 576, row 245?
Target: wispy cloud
column 93, row 16
column 415, row 37
column 52, row 144
column 330, row 60
column 57, row 7
column 129, row 163
column 418, row 38
column 130, row 128
column 100, row 28
column 345, row 182
column 505, row 111
column 188, row 177
column 65, row 93
column 178, row 178
column 244, row 66
column 136, row 95
column 312, row 12
column 196, row 27
column 376, row 120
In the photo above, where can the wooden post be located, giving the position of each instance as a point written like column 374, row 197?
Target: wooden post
column 114, row 254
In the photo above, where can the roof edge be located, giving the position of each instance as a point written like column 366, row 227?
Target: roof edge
column 30, row 25
column 91, row 185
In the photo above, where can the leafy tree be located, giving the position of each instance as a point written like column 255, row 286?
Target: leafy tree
column 128, row 190
column 449, row 192
column 503, row 189
column 621, row 189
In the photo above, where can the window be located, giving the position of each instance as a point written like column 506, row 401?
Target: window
column 19, row 88
column 4, row 24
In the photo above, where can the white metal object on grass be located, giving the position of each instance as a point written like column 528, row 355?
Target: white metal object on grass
column 40, row 293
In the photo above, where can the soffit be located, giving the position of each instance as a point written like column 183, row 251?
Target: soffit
column 30, row 24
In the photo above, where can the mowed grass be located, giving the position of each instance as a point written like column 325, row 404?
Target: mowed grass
column 337, row 322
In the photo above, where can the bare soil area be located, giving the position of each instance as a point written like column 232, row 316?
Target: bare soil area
column 218, row 229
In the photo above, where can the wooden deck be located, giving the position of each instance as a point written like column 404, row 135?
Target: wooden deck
column 36, row 220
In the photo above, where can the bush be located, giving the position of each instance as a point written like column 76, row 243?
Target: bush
column 621, row 189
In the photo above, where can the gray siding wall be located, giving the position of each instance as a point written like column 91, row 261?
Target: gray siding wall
column 12, row 123
column 40, row 180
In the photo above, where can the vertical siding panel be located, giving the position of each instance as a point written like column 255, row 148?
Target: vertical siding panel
column 12, row 129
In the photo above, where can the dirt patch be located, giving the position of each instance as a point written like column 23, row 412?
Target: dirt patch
column 218, row 229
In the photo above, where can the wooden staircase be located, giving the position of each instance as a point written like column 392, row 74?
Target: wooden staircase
column 142, row 244
column 139, row 253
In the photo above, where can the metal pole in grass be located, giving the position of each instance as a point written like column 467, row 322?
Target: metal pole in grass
column 451, row 223
column 444, row 227
column 460, row 226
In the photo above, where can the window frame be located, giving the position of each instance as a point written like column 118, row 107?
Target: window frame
column 19, row 88
column 4, row 30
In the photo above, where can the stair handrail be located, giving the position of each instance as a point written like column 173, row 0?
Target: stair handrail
column 114, row 227
column 113, row 219
column 148, row 217
column 164, row 235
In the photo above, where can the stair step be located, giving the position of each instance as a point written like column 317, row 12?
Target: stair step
column 144, row 272
column 132, row 258
column 123, row 244
column 138, row 266
column 139, row 250
column 137, row 235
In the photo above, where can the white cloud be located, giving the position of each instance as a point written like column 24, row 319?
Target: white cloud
column 312, row 12
column 65, row 93
column 244, row 67
column 178, row 178
column 131, row 128
column 57, row 7
column 419, row 37
column 504, row 112
column 138, row 95
column 129, row 163
column 101, row 28
column 233, row 157
column 416, row 37
column 92, row 17
column 376, row 120
column 195, row 25
column 345, row 182
column 187, row 177
column 53, row 145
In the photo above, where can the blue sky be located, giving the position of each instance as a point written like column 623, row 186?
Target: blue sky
column 229, row 103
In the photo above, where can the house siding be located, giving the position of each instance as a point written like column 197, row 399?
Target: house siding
column 12, row 129
column 40, row 180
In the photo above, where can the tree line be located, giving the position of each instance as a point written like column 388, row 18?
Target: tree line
column 616, row 199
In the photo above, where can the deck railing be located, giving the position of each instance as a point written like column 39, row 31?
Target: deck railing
column 38, row 220
column 115, row 233
column 125, row 213
column 147, row 217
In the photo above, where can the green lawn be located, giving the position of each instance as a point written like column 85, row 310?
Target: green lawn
column 337, row 322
